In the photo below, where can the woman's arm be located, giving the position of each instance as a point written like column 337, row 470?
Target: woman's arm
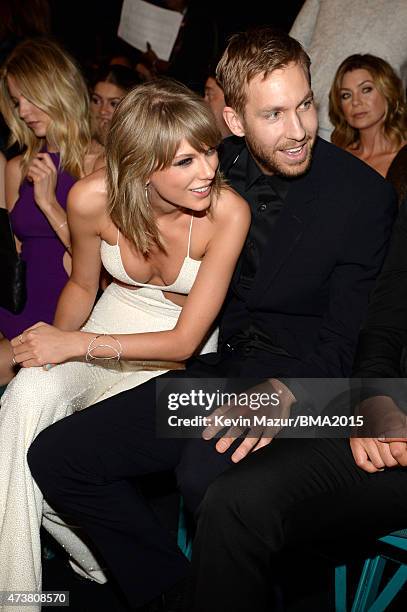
column 44, row 344
column 86, row 212
column 12, row 181
column 2, row 181
column 43, row 175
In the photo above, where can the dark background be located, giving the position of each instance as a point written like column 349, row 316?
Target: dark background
column 87, row 28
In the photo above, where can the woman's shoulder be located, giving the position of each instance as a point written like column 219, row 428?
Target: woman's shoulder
column 91, row 184
column 231, row 206
column 88, row 195
column 14, row 166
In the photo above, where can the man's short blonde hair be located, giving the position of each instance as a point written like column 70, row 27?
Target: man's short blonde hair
column 258, row 51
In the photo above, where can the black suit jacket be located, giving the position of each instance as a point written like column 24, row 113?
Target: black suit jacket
column 382, row 343
column 324, row 253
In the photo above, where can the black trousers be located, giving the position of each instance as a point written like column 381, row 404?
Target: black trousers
column 84, row 462
column 293, row 495
column 83, row 465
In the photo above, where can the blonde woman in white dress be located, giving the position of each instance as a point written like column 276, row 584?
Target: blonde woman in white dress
column 169, row 231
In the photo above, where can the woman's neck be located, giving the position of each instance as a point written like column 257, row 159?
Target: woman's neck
column 375, row 149
column 372, row 142
column 50, row 146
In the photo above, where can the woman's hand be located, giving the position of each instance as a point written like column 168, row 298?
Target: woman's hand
column 44, row 344
column 43, row 174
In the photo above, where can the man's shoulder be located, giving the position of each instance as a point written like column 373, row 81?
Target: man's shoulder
column 229, row 149
column 333, row 167
column 348, row 186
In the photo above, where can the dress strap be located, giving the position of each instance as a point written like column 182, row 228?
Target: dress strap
column 118, row 236
column 190, row 233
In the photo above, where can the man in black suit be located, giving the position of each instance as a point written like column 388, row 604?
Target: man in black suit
column 308, row 294
column 321, row 222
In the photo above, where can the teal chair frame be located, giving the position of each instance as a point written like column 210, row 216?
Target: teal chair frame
column 367, row 596
column 184, row 540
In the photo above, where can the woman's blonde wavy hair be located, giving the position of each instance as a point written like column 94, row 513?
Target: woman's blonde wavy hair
column 49, row 78
column 146, row 130
column 387, row 83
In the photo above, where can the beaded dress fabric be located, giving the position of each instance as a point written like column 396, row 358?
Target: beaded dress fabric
column 37, row 398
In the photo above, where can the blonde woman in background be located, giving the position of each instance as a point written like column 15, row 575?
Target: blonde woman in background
column 45, row 103
column 169, row 232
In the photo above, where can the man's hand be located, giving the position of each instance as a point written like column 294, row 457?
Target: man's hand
column 382, row 418
column 386, row 426
column 259, row 435
column 371, row 455
column 397, row 448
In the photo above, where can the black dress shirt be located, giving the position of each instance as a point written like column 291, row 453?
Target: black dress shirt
column 266, row 195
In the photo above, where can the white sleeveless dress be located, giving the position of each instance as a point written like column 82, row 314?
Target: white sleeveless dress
column 36, row 398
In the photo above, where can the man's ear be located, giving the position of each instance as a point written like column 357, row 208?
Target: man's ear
column 233, row 121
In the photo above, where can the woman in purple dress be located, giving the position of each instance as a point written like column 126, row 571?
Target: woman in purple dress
column 44, row 101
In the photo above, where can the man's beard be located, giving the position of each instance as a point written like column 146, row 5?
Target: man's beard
column 270, row 163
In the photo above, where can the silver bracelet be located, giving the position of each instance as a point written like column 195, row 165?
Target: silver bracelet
column 62, row 225
column 92, row 347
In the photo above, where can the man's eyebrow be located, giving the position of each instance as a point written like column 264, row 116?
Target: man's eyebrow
column 276, row 109
column 272, row 109
column 310, row 95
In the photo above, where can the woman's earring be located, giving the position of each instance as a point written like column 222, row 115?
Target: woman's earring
column 146, row 191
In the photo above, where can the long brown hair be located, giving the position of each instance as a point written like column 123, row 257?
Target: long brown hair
column 147, row 128
column 387, row 83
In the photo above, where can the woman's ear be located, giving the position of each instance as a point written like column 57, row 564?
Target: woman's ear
column 233, row 121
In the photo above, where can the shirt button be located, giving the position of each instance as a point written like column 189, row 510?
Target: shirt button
column 250, row 245
column 262, row 207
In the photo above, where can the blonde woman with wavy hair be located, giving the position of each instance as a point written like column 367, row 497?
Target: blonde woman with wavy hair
column 44, row 101
column 367, row 106
column 169, row 231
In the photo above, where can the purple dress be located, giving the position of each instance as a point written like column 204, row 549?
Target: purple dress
column 43, row 252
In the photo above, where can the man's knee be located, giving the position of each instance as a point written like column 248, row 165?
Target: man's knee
column 200, row 465
column 46, row 457
column 237, row 497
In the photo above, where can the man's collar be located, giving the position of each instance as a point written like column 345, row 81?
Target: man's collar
column 279, row 184
column 253, row 172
